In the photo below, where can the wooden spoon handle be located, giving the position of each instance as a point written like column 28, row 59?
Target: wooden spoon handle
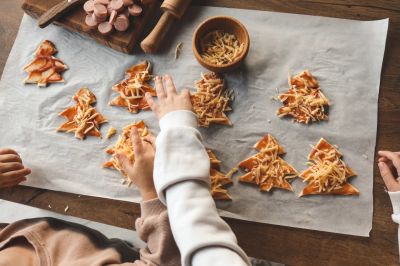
column 56, row 12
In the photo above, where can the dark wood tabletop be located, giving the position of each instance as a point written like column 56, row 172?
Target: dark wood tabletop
column 276, row 243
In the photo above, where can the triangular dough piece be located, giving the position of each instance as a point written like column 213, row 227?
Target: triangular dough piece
column 266, row 169
column 327, row 173
column 218, row 179
column 45, row 68
column 83, row 118
column 133, row 88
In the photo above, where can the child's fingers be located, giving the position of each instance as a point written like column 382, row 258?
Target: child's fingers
column 8, row 167
column 159, row 88
column 392, row 156
column 150, row 139
column 383, row 159
column 8, row 151
column 150, row 101
column 17, row 174
column 171, row 90
column 13, row 183
column 9, row 158
column 185, row 93
column 125, row 162
column 387, row 176
column 136, row 141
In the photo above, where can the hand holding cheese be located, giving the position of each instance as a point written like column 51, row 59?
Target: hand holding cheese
column 141, row 170
column 12, row 171
column 168, row 99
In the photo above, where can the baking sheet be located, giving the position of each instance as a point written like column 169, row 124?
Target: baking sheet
column 345, row 56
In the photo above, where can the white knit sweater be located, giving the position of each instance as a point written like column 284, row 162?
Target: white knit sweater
column 395, row 199
column 181, row 177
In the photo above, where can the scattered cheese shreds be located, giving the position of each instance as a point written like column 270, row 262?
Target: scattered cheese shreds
column 220, row 48
column 66, row 208
column 45, row 68
column 267, row 169
column 211, row 100
column 133, row 88
column 304, row 100
column 83, row 118
column 327, row 173
column 111, row 132
column 178, row 50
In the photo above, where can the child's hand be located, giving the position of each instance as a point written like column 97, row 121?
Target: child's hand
column 389, row 166
column 168, row 99
column 12, row 171
column 141, row 171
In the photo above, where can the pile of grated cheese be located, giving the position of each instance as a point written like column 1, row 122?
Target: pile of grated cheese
column 304, row 100
column 210, row 101
column 220, row 48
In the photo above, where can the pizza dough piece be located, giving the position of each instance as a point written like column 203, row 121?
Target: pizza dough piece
column 304, row 100
column 45, row 68
column 266, row 168
column 83, row 118
column 133, row 88
column 218, row 179
column 211, row 100
column 327, row 173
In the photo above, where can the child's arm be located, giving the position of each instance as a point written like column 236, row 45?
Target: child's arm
column 153, row 226
column 181, row 175
column 12, row 171
column 389, row 166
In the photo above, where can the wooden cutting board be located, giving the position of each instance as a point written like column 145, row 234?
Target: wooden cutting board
column 74, row 20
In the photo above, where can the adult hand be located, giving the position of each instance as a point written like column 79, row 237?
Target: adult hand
column 168, row 99
column 141, row 170
column 12, row 171
column 389, row 166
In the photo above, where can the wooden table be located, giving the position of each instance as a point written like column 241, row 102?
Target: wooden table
column 275, row 243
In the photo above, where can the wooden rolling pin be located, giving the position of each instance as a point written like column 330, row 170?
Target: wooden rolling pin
column 173, row 10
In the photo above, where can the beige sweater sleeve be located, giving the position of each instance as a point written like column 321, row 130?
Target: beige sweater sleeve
column 153, row 228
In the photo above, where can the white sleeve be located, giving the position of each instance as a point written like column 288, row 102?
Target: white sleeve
column 395, row 199
column 181, row 177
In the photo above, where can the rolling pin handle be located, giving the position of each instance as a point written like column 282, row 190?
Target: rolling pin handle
column 152, row 42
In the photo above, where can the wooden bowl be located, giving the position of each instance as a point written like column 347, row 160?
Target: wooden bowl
column 226, row 24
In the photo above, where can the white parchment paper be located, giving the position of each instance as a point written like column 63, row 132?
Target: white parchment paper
column 345, row 56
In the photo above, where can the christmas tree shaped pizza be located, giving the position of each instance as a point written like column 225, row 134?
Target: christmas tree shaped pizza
column 83, row 118
column 327, row 173
column 218, row 179
column 210, row 101
column 304, row 100
column 124, row 146
column 133, row 88
column 267, row 169
column 45, row 68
